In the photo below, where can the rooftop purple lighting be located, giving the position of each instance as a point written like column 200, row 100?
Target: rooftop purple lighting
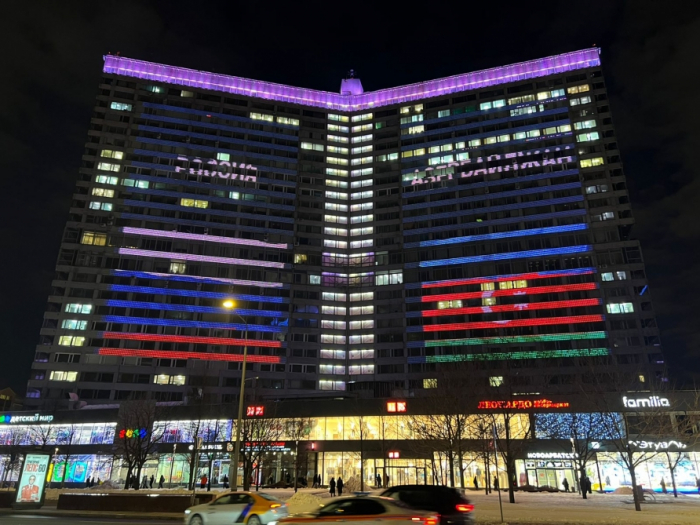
column 324, row 99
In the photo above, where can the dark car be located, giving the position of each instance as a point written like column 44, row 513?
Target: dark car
column 452, row 506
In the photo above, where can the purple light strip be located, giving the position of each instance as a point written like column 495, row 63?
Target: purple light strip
column 310, row 97
column 207, row 238
column 200, row 258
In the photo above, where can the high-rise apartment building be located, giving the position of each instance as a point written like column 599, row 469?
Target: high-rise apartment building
column 364, row 239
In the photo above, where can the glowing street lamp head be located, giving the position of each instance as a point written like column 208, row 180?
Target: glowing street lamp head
column 229, row 304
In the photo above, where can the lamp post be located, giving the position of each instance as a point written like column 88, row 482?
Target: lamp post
column 172, row 464
column 233, row 466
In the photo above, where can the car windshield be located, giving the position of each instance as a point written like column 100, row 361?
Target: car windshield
column 268, row 497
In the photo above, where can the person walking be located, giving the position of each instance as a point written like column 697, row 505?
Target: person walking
column 340, row 486
column 203, row 482
column 161, row 481
column 495, row 482
column 225, row 481
column 332, row 487
column 663, row 486
column 144, row 482
column 565, row 483
column 153, row 478
column 589, row 485
column 476, row 483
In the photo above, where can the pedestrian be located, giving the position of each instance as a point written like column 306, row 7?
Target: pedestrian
column 697, row 484
column 203, row 482
column 153, row 478
column 607, row 481
column 476, row 483
column 495, row 482
column 314, row 485
column 270, row 480
column 161, row 481
column 589, row 485
column 565, row 483
column 99, row 482
column 379, row 481
column 225, row 481
column 332, row 487
column 340, row 486
column 663, row 486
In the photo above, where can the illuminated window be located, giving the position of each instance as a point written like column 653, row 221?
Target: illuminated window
column 108, row 166
column 509, row 285
column 332, row 354
column 336, row 138
column 364, row 324
column 487, row 287
column 412, row 118
column 620, row 308
column 361, row 172
column 337, row 160
column 520, row 100
column 360, row 118
column 336, row 231
column 362, row 207
column 333, row 310
column 444, row 305
column 331, row 296
column 386, row 278
column 493, row 104
column 154, row 89
column 362, row 218
column 336, row 183
column 262, row 116
column 361, row 195
column 361, row 231
column 143, row 184
column 621, row 276
column 495, row 380
column 642, row 379
column 104, row 179
column 585, row 124
column 335, row 218
column 607, row 276
column 589, row 163
column 120, row 106
column 315, row 147
column 189, row 203
column 525, row 111
column 362, row 138
column 361, row 369
column 430, row 383
column 102, row 192
column 587, row 137
column 387, row 157
column 58, row 375
column 337, row 172
column 361, row 128
column 161, row 379
column 338, row 149
column 415, row 130
column 600, row 188
column 300, row 258
column 364, row 296
column 580, row 101
column 179, row 267
column 112, row 154
column 288, row 121
column 333, row 325
column 361, row 149
column 362, row 354
column 362, row 310
column 102, row 206
column 338, row 118
column 474, row 143
column 314, row 279
column 331, row 243
column 73, row 324
column 334, row 206
column 335, row 127
column 186, row 94
column 578, row 89
column 69, row 340
column 361, row 339
column 93, row 238
column 324, row 384
column 362, row 160
column 77, row 308
column 488, row 301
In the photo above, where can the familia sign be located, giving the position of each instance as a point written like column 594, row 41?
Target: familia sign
column 646, row 402
column 216, row 168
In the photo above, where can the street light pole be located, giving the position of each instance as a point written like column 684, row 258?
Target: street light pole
column 233, row 465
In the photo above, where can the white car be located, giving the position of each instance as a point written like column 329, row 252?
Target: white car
column 364, row 510
column 246, row 508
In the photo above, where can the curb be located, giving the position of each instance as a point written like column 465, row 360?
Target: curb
column 93, row 514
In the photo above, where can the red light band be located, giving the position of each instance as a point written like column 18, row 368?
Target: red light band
column 168, row 354
column 191, row 339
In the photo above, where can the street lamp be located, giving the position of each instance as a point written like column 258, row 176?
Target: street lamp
column 233, row 466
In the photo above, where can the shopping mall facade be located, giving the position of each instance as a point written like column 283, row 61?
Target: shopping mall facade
column 385, row 435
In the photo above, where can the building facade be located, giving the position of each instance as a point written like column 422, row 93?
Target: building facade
column 356, row 243
column 380, row 441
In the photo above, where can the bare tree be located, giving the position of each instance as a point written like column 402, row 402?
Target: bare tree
column 65, row 439
column 258, row 436
column 298, row 429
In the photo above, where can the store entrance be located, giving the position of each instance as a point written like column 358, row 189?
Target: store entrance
column 551, row 474
column 398, row 475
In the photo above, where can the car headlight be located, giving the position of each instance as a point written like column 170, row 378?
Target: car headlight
column 188, row 511
column 271, row 523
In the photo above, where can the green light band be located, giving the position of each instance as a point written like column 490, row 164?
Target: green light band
column 516, row 339
column 502, row 356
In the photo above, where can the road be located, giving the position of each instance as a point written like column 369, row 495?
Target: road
column 25, row 519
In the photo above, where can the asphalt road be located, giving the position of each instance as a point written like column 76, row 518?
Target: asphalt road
column 25, row 519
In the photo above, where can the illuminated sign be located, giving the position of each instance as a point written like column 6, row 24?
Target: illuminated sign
column 657, row 445
column 31, row 481
column 646, row 402
column 521, row 404
column 424, row 177
column 267, row 446
column 255, row 411
column 551, row 455
column 9, row 419
column 213, row 173
column 394, row 454
column 396, row 406
column 131, row 433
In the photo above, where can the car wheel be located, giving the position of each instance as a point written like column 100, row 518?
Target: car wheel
column 254, row 520
column 196, row 520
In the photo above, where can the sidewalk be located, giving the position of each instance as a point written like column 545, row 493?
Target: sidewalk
column 54, row 513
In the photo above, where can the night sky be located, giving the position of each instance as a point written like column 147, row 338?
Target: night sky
column 52, row 59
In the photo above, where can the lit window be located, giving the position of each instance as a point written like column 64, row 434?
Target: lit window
column 338, row 118
column 336, row 325
column 509, row 285
column 589, row 163
column 444, row 305
column 474, row 143
column 336, row 138
column 77, row 308
column 490, row 140
column 365, row 243
column 361, row 149
column 330, row 296
column 161, row 379
column 335, row 127
column 362, row 138
column 314, row 279
column 107, row 166
column 364, row 324
column 495, row 380
column 444, row 113
column 288, row 121
column 578, row 89
column 364, row 296
column 189, row 203
column 361, row 128
column 488, row 301
column 580, row 101
column 335, row 231
column 361, row 369
column 620, row 308
column 112, row 154
column 262, row 116
column 73, row 324
column 361, row 172
column 104, row 179
column 360, row 118
column 585, row 124
column 362, row 160
column 335, row 218
column 120, row 106
column 336, row 183
column 361, row 231
column 621, row 276
column 600, row 188
column 57, row 375
column 642, row 379
column 336, row 195
column 362, row 183
column 186, row 94
column 154, row 89
column 179, row 267
column 430, row 383
column 337, row 149
column 486, row 287
column 143, row 184
column 311, row 146
column 520, row 100
column 336, row 160
column 336, row 206
column 103, row 206
column 362, row 354
column 300, row 258
column 337, row 172
column 102, row 192
column 587, row 137
column 324, row 384
column 69, row 340
column 332, row 354
column 607, row 276
column 361, row 195
column 413, row 118
column 93, row 238
column 386, row 278
column 362, row 310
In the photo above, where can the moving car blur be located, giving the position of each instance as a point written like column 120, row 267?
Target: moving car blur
column 250, row 508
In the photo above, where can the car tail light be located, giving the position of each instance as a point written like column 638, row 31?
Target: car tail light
column 275, row 505
column 430, row 520
column 465, row 507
